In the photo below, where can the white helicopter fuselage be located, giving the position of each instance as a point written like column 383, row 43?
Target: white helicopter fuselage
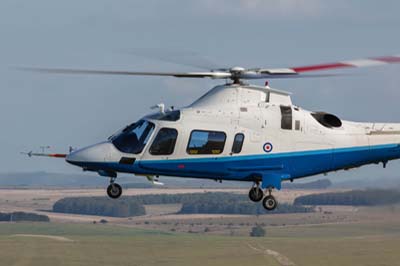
column 244, row 133
column 238, row 132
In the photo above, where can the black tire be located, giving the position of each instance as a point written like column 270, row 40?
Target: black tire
column 114, row 191
column 270, row 203
column 256, row 194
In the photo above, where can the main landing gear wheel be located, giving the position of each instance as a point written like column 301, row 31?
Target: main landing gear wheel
column 256, row 194
column 114, row 191
column 270, row 203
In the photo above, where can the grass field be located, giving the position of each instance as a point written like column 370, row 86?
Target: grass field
column 87, row 244
column 334, row 235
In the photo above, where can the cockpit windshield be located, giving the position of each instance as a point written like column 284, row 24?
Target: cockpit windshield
column 133, row 138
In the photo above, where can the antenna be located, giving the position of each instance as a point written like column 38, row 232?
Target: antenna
column 43, row 148
column 160, row 106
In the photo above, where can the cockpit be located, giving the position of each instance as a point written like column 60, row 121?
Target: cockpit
column 134, row 137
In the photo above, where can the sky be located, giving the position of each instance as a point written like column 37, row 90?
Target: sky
column 62, row 111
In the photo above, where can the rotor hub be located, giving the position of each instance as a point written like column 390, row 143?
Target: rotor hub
column 237, row 69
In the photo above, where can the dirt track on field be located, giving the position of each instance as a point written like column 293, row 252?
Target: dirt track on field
column 281, row 259
column 56, row 238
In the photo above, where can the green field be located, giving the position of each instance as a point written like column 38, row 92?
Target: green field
column 89, row 244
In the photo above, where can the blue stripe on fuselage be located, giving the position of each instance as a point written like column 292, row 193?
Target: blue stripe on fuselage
column 243, row 167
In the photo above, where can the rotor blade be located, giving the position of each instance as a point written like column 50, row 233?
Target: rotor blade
column 237, row 73
column 367, row 62
column 216, row 75
column 288, row 76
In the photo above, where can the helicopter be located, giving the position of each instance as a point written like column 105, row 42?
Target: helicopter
column 238, row 132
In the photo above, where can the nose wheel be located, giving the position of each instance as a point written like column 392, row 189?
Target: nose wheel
column 114, row 190
column 256, row 194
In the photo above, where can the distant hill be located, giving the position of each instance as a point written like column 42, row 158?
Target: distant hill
column 93, row 180
column 369, row 197
column 368, row 182
column 45, row 179
column 318, row 184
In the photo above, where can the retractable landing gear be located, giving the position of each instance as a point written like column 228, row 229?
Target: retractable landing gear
column 114, row 190
column 256, row 194
column 269, row 202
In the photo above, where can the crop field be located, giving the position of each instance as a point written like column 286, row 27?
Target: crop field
column 95, row 244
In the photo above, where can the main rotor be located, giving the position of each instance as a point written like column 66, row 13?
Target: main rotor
column 236, row 74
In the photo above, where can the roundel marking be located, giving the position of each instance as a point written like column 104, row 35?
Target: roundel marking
column 268, row 147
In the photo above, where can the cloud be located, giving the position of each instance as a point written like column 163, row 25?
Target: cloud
column 265, row 8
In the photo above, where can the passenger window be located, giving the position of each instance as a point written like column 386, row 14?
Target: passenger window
column 297, row 125
column 164, row 143
column 238, row 143
column 286, row 121
column 206, row 142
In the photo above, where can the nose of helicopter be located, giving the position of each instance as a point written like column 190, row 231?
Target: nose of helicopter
column 97, row 153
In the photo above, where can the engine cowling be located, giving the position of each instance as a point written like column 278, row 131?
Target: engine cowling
column 327, row 120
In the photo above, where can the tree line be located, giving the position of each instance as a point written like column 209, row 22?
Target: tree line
column 23, row 217
column 210, row 202
column 369, row 197
column 234, row 204
column 101, row 206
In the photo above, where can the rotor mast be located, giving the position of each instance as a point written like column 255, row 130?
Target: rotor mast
column 235, row 74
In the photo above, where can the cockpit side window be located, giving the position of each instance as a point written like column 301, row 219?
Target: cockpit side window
column 164, row 143
column 238, row 143
column 206, row 142
column 134, row 137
